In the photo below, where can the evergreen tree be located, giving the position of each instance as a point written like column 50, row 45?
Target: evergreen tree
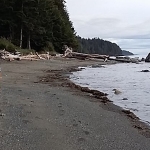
column 37, row 24
column 98, row 46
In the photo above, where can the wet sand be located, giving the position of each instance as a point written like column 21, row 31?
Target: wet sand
column 41, row 109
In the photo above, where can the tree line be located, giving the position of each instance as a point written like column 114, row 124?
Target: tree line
column 37, row 24
column 44, row 25
column 98, row 46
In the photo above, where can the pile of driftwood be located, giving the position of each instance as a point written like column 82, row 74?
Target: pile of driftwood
column 17, row 56
column 70, row 54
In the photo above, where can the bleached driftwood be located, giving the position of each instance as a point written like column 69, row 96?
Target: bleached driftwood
column 39, row 56
column 46, row 56
column 27, row 58
column 17, row 56
column 8, row 56
column 68, row 51
column 11, row 57
column 70, row 54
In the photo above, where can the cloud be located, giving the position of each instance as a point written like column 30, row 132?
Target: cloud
column 96, row 27
column 112, row 28
column 135, row 38
column 136, row 46
column 125, row 21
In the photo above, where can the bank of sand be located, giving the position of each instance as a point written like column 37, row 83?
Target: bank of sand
column 39, row 110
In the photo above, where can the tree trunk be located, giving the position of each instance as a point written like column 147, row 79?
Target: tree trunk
column 21, row 26
column 29, row 43
column 21, row 37
column 10, row 35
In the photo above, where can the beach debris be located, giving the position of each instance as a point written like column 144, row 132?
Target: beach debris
column 68, row 53
column 138, row 127
column 130, row 114
column 2, row 114
column 147, row 58
column 94, row 93
column 5, row 55
column 117, row 91
column 8, row 56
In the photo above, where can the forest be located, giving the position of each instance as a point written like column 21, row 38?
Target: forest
column 44, row 25
column 98, row 46
column 37, row 24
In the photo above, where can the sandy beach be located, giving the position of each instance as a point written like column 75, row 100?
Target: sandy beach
column 41, row 109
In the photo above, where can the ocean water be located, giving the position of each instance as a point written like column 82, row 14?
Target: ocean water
column 127, row 78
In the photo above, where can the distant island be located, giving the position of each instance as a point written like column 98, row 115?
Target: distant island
column 100, row 46
column 126, row 53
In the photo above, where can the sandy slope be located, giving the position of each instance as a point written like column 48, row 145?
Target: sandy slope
column 47, row 116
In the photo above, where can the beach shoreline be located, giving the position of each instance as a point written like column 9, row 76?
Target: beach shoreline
column 41, row 107
column 99, row 96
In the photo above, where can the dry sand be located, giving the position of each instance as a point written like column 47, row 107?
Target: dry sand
column 41, row 110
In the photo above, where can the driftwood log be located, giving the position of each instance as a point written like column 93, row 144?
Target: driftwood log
column 17, row 56
column 88, row 56
column 70, row 54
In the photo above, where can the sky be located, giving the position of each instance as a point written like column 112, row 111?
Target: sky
column 125, row 22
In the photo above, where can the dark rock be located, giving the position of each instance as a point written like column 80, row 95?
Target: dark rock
column 147, row 58
column 124, row 99
column 145, row 71
column 116, row 91
column 143, row 59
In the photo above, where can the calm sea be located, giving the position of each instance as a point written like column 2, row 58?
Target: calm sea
column 127, row 78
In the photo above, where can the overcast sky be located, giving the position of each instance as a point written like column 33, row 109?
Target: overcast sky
column 126, row 22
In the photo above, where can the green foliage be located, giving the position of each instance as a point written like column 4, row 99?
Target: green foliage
column 11, row 47
column 6, row 44
column 34, row 23
column 2, row 45
column 26, row 51
column 49, row 47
